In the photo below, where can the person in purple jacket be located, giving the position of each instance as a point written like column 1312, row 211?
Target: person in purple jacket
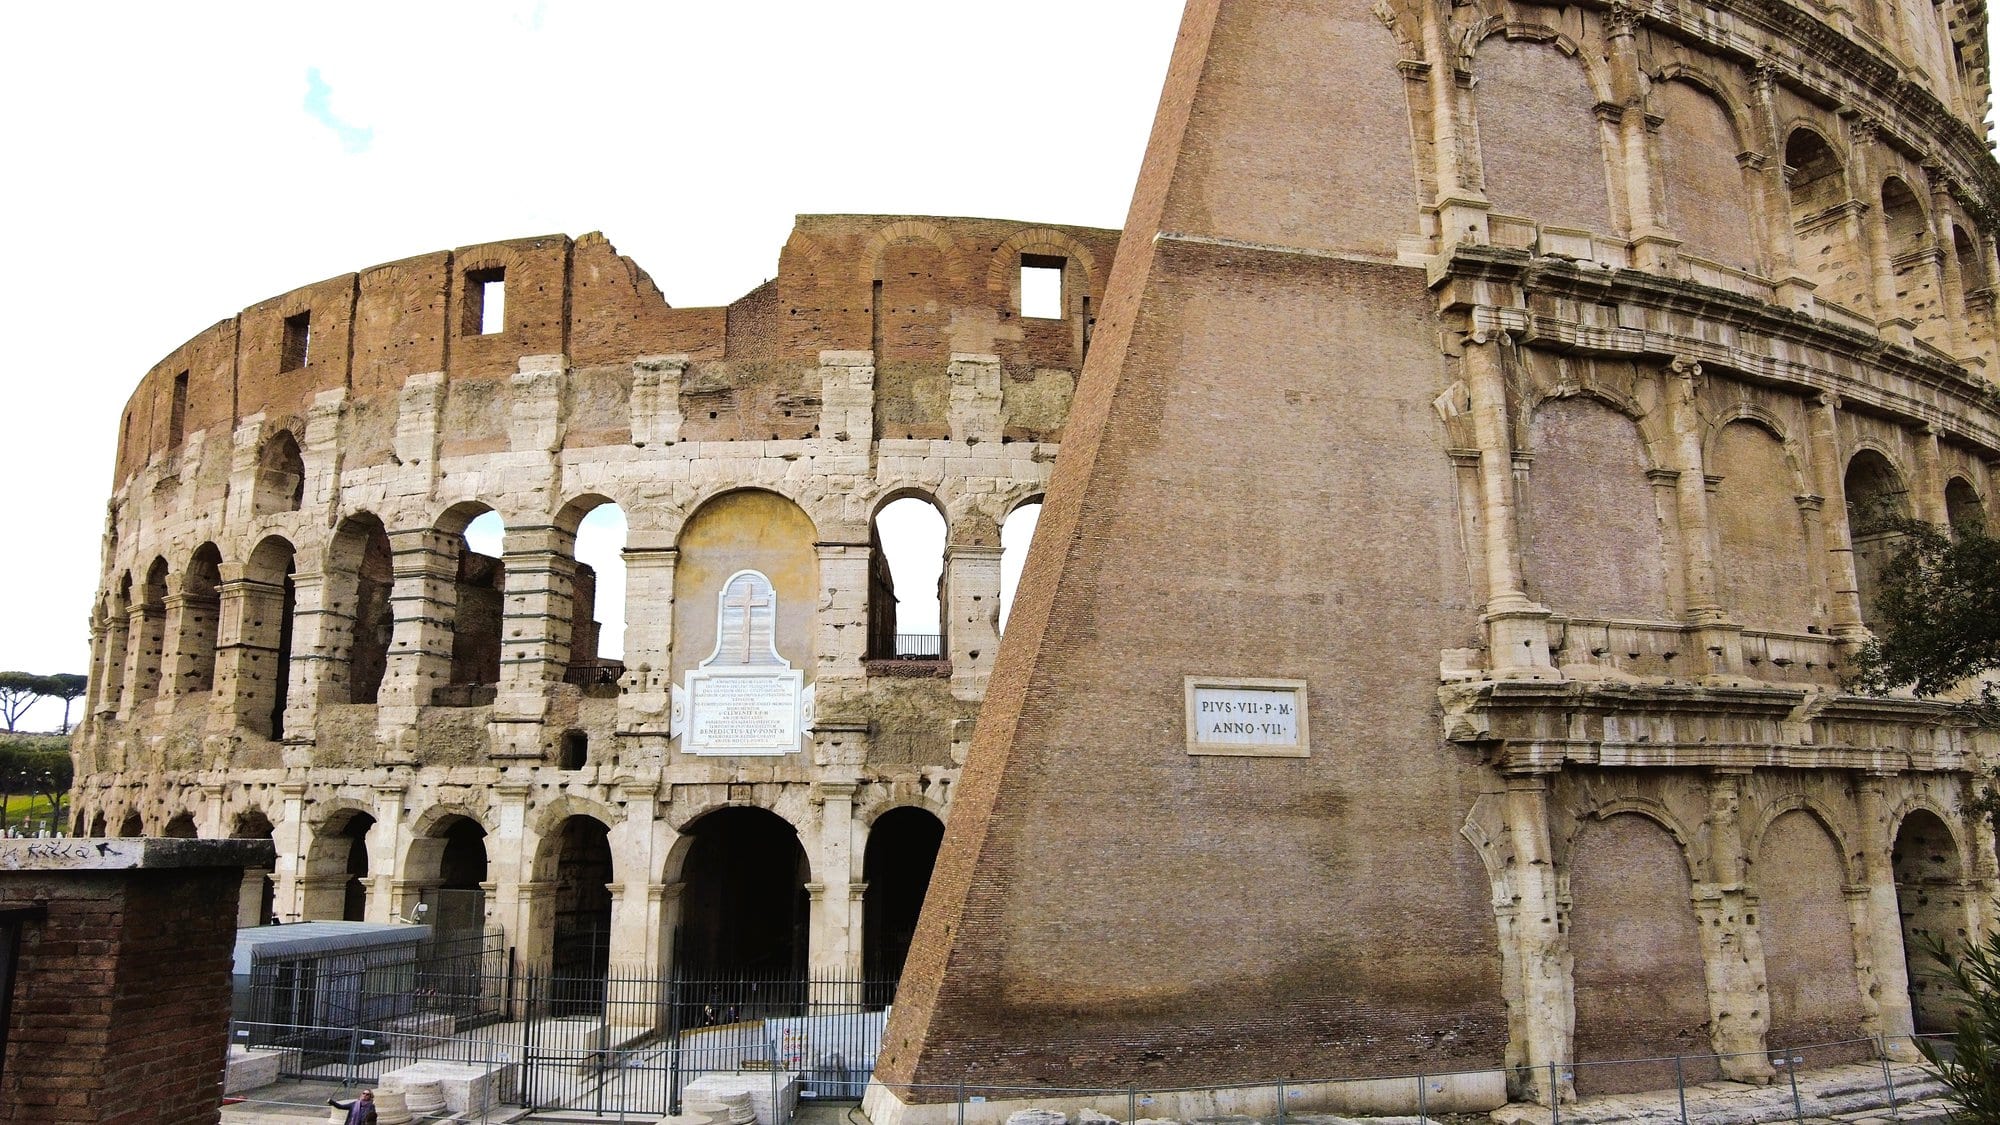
column 360, row 1111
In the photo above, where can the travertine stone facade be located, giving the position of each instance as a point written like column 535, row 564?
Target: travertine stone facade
column 1526, row 380
column 293, row 640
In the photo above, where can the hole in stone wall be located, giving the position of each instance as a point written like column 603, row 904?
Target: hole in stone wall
column 297, row 349
column 1041, row 286
column 485, row 302
column 575, row 750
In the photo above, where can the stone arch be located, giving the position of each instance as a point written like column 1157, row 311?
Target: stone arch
column 446, row 862
column 97, row 825
column 596, row 590
column 108, row 690
column 1002, row 274
column 1963, row 506
column 1929, row 865
column 149, row 639
column 1596, row 545
column 338, row 864
column 1542, row 144
column 1817, row 192
column 201, row 604
column 1763, row 562
column 749, row 529
column 1017, row 532
column 1908, row 225
column 180, row 826
column 281, row 476
column 1806, row 924
column 262, row 664
column 360, row 579
column 1638, row 970
column 1876, row 498
column 907, row 551
column 574, row 856
column 132, row 824
column 897, row 860
column 911, row 230
column 744, row 909
column 1709, row 200
column 1822, row 814
column 1971, row 261
column 479, row 591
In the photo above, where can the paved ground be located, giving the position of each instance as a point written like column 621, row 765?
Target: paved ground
column 1856, row 1094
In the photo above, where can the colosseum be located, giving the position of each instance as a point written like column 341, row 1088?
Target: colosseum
column 1498, row 401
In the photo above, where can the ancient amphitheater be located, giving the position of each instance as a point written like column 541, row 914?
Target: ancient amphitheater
column 1500, row 396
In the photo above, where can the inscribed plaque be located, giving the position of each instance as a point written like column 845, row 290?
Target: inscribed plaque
column 1246, row 717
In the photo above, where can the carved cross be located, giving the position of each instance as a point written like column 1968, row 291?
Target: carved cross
column 747, row 602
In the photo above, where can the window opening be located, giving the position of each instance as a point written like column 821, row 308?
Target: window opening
column 1015, row 535
column 485, row 302
column 1041, row 286
column 177, row 421
column 575, row 750
column 298, row 342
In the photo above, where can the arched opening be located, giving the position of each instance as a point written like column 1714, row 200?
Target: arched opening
column 447, row 867
column 743, row 906
column 1911, row 259
column 1708, row 198
column 1875, row 502
column 902, row 850
column 746, row 530
column 131, row 826
column 336, row 869
column 597, row 600
column 181, row 827
column 201, row 600
column 281, row 476
column 257, row 901
column 1930, row 900
column 1909, row 231
column 1823, row 247
column 1594, row 545
column 1634, row 999
column 479, row 588
column 361, row 579
column 906, row 581
column 265, row 634
column 149, row 639
column 97, row 828
column 1015, row 535
column 577, row 860
column 1807, row 933
column 109, row 691
column 1971, row 263
column 1963, row 510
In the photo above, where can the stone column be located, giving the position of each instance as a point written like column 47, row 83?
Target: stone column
column 1720, row 640
column 188, row 618
column 1774, row 198
column 1828, row 467
column 246, row 651
column 1880, row 919
column 971, row 615
column 1517, row 629
column 656, row 399
column 847, row 399
column 645, row 702
column 540, row 568
column 636, row 933
column 111, row 646
column 290, row 836
column 146, row 630
column 830, row 953
column 1951, row 274
column 1927, row 491
column 1653, row 246
column 314, row 625
column 1461, row 203
column 424, row 601
column 385, row 849
column 840, row 679
column 975, row 397
column 1732, row 949
column 510, row 867
column 1875, row 233
column 1529, row 910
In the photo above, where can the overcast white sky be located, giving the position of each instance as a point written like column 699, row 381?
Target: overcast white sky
column 171, row 164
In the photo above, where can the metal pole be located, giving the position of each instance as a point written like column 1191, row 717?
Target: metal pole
column 1423, row 1111
column 1555, row 1097
column 1888, row 1078
column 961, row 1100
column 1680, row 1083
column 353, row 1049
column 1798, row 1111
column 1131, row 1106
column 1281, row 1103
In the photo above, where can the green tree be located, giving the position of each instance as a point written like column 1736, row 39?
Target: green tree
column 67, row 686
column 18, row 692
column 1937, row 618
column 1969, row 1065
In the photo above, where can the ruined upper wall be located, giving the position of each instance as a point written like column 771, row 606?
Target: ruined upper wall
column 942, row 285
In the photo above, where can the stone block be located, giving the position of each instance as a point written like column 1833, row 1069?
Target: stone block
column 468, row 1087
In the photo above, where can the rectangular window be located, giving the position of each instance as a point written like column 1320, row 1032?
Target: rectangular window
column 298, row 342
column 485, row 302
column 177, row 420
column 1042, row 286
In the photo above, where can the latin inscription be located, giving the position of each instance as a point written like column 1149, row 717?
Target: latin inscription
column 1246, row 717
column 733, row 714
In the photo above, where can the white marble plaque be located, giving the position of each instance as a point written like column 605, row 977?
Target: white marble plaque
column 1246, row 717
column 745, row 698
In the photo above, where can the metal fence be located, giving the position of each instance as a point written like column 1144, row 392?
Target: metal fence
column 919, row 646
column 627, row 1042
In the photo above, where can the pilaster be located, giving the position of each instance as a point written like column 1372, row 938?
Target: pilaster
column 656, row 399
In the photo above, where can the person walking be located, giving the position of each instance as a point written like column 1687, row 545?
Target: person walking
column 360, row 1111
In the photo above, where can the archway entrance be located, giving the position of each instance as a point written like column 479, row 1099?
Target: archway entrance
column 580, row 944
column 335, row 882
column 447, row 866
column 743, row 905
column 1928, row 896
column 902, row 849
column 181, row 827
column 258, row 898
